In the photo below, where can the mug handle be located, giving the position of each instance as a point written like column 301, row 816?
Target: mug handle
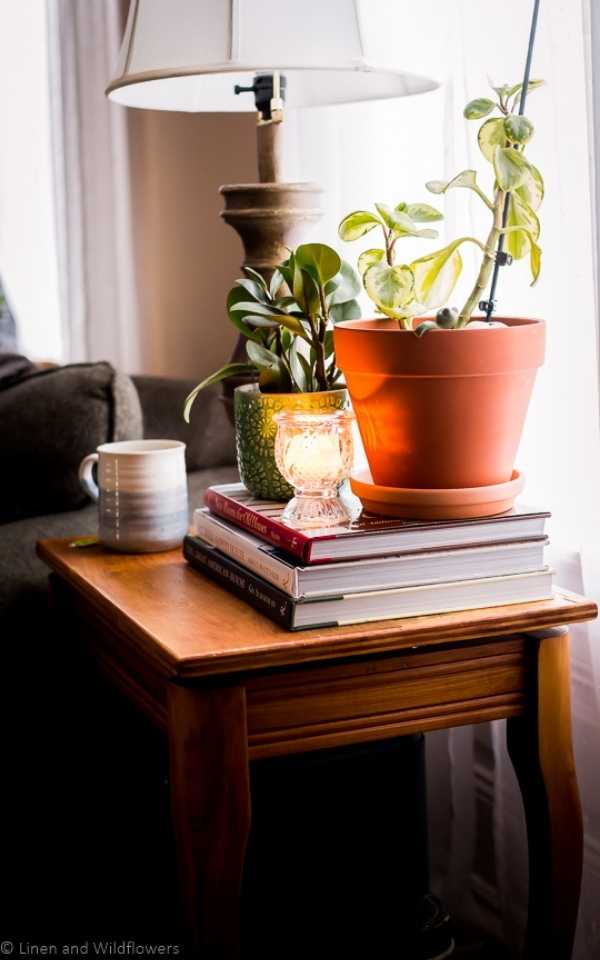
column 86, row 477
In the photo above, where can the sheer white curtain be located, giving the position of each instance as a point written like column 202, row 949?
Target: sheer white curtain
column 385, row 152
column 94, row 252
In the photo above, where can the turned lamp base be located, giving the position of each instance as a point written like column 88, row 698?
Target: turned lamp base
column 271, row 218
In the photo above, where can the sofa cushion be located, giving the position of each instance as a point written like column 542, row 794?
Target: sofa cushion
column 209, row 438
column 49, row 420
column 24, row 577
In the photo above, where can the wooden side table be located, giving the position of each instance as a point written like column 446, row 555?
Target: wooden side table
column 229, row 686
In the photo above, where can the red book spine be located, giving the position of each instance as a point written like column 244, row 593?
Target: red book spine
column 293, row 541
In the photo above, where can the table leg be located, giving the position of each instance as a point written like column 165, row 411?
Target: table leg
column 210, row 796
column 541, row 751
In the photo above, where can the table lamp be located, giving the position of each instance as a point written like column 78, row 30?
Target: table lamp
column 263, row 55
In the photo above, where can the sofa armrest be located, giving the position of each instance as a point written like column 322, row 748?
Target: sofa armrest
column 209, row 437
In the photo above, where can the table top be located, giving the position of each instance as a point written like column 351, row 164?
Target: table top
column 194, row 627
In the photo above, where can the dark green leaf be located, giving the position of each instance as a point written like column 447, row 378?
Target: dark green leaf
column 229, row 370
column 274, row 380
column 256, row 276
column 255, row 290
column 344, row 286
column 235, row 296
column 305, row 291
column 260, row 356
column 350, row 310
column 321, row 261
column 256, row 309
column 298, row 371
column 276, row 282
column 308, row 373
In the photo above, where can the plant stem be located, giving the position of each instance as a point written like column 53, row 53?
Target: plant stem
column 316, row 326
column 389, row 247
column 485, row 271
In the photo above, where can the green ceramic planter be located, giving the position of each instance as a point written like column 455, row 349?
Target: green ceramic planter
column 255, row 431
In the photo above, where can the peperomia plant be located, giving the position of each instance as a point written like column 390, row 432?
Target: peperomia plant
column 409, row 290
column 288, row 322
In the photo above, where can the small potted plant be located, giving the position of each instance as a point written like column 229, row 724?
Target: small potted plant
column 288, row 325
column 441, row 400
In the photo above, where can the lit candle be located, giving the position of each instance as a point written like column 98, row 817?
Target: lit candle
column 313, row 457
column 314, row 452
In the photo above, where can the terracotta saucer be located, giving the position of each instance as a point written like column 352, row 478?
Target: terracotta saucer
column 426, row 504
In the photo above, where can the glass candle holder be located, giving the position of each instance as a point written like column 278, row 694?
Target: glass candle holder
column 314, row 452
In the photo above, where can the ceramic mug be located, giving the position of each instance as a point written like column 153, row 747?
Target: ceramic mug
column 141, row 494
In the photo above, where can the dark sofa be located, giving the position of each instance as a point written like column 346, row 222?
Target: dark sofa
column 210, row 458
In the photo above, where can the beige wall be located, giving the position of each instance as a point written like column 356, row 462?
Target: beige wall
column 186, row 256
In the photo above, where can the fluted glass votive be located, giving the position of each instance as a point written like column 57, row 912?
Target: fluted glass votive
column 314, row 452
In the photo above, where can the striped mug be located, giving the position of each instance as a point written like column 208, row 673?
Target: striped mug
column 141, row 494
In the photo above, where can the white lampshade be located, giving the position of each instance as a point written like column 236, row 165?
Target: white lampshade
column 188, row 54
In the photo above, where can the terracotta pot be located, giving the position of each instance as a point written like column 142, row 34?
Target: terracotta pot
column 445, row 410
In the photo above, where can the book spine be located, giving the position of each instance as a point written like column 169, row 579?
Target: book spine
column 229, row 574
column 279, row 535
column 236, row 546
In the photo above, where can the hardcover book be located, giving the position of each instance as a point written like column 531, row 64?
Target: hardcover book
column 369, row 535
column 402, row 569
column 351, row 608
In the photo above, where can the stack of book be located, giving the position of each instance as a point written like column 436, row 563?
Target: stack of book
column 377, row 568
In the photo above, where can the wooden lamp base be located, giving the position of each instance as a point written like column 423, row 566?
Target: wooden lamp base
column 271, row 217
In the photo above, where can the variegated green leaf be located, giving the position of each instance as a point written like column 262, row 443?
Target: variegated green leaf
column 423, row 213
column 436, row 275
column 467, row 178
column 531, row 190
column 532, row 85
column 518, row 129
column 369, row 258
column 520, row 215
column 401, row 224
column 511, row 168
column 491, row 135
column 535, row 261
column 476, row 109
column 517, row 241
column 535, row 253
column 390, row 288
column 356, row 224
